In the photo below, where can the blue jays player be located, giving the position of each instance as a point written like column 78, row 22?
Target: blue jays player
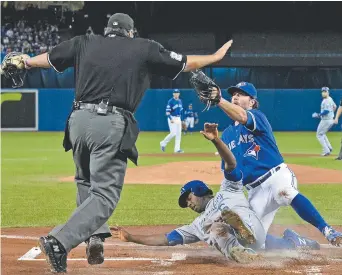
column 326, row 115
column 290, row 239
column 174, row 110
column 190, row 118
column 338, row 114
column 269, row 181
column 226, row 222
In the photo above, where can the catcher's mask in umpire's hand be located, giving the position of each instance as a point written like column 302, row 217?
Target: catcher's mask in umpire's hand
column 199, row 188
column 12, row 72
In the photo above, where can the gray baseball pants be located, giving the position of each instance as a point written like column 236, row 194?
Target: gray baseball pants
column 99, row 175
column 340, row 154
column 323, row 127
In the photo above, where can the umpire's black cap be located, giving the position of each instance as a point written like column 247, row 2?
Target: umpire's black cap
column 121, row 20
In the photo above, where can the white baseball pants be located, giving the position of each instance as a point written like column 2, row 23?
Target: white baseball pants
column 190, row 121
column 175, row 131
column 278, row 190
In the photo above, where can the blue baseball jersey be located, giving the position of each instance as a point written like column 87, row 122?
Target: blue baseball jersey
column 256, row 142
column 174, row 107
column 190, row 113
column 230, row 137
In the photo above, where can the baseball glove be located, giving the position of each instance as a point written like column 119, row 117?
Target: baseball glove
column 315, row 115
column 13, row 67
column 204, row 87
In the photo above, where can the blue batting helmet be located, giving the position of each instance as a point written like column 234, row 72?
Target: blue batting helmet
column 199, row 188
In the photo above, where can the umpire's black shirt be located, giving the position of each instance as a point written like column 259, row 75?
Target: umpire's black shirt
column 114, row 67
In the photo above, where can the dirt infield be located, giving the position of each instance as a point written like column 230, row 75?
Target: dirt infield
column 209, row 172
column 126, row 258
column 19, row 255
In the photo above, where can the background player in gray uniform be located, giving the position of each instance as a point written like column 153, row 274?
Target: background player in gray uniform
column 338, row 114
column 326, row 115
column 226, row 222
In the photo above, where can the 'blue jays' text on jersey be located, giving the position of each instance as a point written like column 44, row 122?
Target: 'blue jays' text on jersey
column 230, row 137
column 190, row 113
column 174, row 107
column 259, row 150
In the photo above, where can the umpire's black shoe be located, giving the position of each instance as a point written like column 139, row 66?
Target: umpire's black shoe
column 338, row 158
column 94, row 250
column 55, row 254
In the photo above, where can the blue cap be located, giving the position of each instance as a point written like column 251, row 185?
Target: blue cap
column 176, row 91
column 199, row 188
column 325, row 89
column 245, row 87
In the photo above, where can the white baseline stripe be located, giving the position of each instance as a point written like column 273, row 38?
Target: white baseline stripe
column 35, row 251
column 19, row 237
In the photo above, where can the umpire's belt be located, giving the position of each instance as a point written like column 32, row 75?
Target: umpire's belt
column 255, row 184
column 94, row 107
column 130, row 136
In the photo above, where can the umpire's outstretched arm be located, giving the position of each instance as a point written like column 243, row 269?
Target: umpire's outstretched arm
column 193, row 61
column 199, row 61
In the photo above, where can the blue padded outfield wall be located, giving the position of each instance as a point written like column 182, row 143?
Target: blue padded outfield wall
column 287, row 110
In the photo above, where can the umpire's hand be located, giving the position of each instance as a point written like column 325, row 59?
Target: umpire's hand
column 221, row 52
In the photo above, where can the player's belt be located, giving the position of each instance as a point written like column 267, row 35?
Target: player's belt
column 255, row 184
column 94, row 107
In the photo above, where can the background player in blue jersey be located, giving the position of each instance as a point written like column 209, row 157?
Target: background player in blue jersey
column 190, row 119
column 328, row 107
column 174, row 111
column 338, row 114
column 269, row 181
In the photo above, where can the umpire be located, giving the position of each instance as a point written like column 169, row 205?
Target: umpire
column 112, row 73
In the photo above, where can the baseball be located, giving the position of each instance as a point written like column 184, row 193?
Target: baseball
column 216, row 153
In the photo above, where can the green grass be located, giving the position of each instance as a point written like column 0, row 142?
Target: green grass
column 46, row 204
column 33, row 196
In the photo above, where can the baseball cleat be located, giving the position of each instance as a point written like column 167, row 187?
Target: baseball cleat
column 243, row 255
column 234, row 220
column 55, row 254
column 162, row 147
column 325, row 154
column 334, row 237
column 300, row 242
column 338, row 158
column 94, row 250
column 179, row 152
